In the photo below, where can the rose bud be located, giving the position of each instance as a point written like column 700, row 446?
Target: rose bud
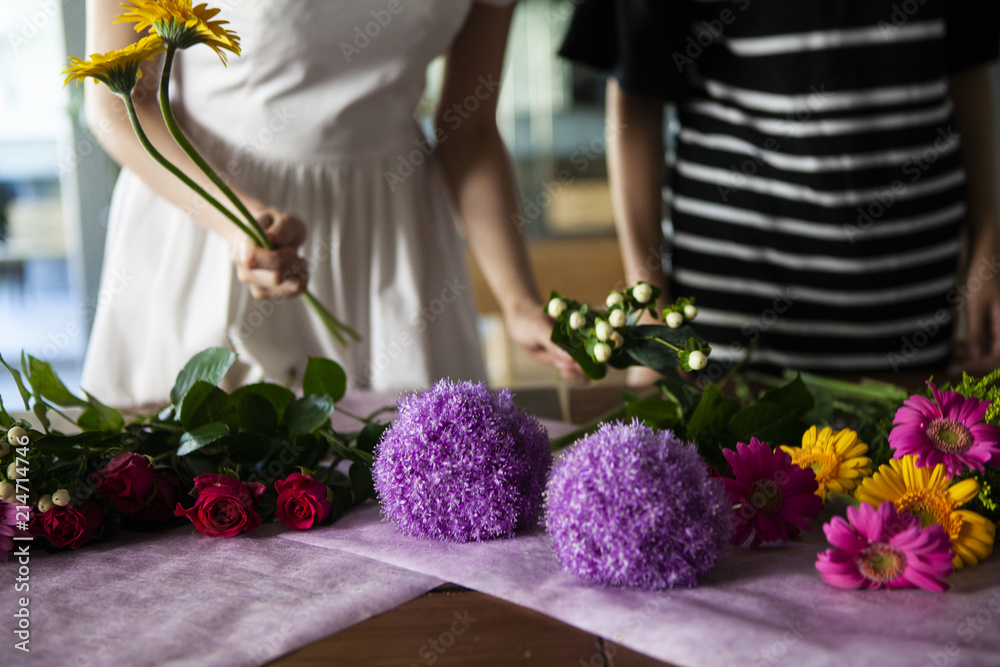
column 68, row 526
column 577, row 320
column 602, row 352
column 674, row 319
column 225, row 507
column 126, row 481
column 617, row 318
column 61, row 498
column 303, row 501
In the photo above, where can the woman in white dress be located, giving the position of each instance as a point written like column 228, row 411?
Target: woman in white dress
column 314, row 126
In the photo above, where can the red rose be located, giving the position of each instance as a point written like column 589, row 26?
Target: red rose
column 302, row 501
column 168, row 490
column 127, row 481
column 68, row 526
column 225, row 506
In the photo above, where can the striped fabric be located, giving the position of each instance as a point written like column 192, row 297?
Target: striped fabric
column 818, row 195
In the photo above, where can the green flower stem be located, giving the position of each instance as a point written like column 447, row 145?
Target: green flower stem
column 332, row 324
column 173, row 169
column 660, row 340
column 182, row 141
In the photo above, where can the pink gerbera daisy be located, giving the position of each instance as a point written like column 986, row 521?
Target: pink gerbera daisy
column 773, row 499
column 950, row 430
column 882, row 549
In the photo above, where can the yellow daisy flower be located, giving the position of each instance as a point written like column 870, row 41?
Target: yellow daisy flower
column 837, row 459
column 119, row 69
column 929, row 494
column 181, row 24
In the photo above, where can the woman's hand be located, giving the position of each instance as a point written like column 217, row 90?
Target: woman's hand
column 279, row 273
column 982, row 308
column 531, row 328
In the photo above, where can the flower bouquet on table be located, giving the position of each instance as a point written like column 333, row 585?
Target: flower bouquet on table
column 166, row 26
column 224, row 461
column 919, row 475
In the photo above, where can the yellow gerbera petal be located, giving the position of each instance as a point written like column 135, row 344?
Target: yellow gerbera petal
column 929, row 494
column 836, row 458
column 118, row 70
column 182, row 24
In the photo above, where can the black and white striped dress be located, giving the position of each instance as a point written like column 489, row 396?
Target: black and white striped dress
column 818, row 195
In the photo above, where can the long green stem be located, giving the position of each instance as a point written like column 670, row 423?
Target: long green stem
column 332, row 324
column 182, row 141
column 173, row 169
column 660, row 340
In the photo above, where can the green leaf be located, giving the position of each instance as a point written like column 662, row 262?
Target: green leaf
column 308, row 414
column 773, row 423
column 204, row 403
column 247, row 447
column 194, row 440
column 5, row 419
column 257, row 415
column 279, row 397
column 324, row 376
column 370, row 436
column 655, row 411
column 361, row 483
column 47, row 384
column 105, row 418
column 794, row 396
column 713, row 413
column 41, row 410
column 209, row 366
column 646, row 345
column 25, row 394
column 576, row 346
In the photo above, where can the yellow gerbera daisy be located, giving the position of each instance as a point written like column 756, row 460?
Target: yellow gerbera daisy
column 929, row 494
column 119, row 69
column 181, row 24
column 837, row 459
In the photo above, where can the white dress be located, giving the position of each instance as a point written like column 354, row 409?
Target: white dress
column 316, row 118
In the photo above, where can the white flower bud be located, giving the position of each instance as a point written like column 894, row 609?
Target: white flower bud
column 674, row 319
column 617, row 339
column 7, row 490
column 614, row 298
column 603, row 330
column 642, row 292
column 602, row 352
column 697, row 360
column 13, row 472
column 617, row 318
column 45, row 503
column 577, row 320
column 61, row 497
column 556, row 307
column 17, row 436
column 690, row 312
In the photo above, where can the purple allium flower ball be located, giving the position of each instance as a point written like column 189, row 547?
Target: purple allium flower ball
column 629, row 506
column 461, row 463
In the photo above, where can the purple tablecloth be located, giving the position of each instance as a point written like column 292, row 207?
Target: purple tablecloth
column 183, row 599
column 763, row 607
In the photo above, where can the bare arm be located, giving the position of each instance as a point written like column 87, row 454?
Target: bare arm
column 636, row 168
column 971, row 92
column 481, row 181
column 269, row 274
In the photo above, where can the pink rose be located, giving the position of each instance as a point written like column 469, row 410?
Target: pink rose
column 68, row 526
column 161, row 505
column 302, row 501
column 127, row 481
column 225, row 507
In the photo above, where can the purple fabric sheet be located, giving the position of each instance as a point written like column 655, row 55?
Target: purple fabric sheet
column 766, row 607
column 183, row 599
